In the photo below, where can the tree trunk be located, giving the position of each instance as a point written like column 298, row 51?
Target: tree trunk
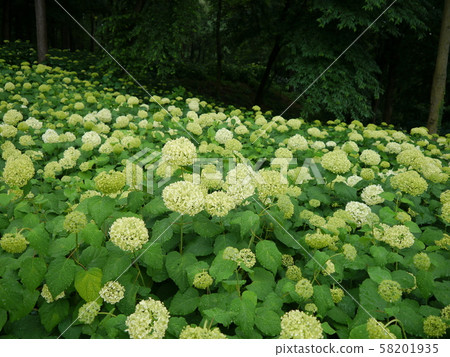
column 270, row 62
column 41, row 30
column 219, row 44
column 6, row 24
column 440, row 73
column 391, row 90
column 92, row 42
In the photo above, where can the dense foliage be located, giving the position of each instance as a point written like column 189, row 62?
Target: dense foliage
column 349, row 241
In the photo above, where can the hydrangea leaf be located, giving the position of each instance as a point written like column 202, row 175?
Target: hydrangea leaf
column 88, row 283
column 268, row 255
column 52, row 314
column 60, row 275
column 32, row 272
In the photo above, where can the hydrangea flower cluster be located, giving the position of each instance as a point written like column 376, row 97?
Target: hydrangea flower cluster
column 75, row 222
column 18, row 171
column 298, row 325
column 88, row 312
column 371, row 195
column 188, row 198
column 378, row 330
column 197, row 332
column 110, row 182
column 129, row 233
column 390, row 290
column 112, row 292
column 150, row 320
column 13, row 243
column 202, row 280
column 179, row 152
column 304, row 288
column 336, row 161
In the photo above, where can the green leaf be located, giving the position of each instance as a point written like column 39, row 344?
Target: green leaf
column 425, row 283
column 322, row 298
column 176, row 325
column 220, row 316
column 184, row 303
column 388, row 196
column 378, row 274
column 100, row 208
column 328, row 329
column 410, row 318
column 268, row 255
column 345, row 192
column 52, row 314
column 406, row 280
column 39, row 239
column 441, row 290
column 371, row 300
column 135, row 201
column 16, row 299
column 153, row 256
column 176, row 265
column 32, row 272
column 244, row 306
column 88, row 283
column 413, row 227
column 162, row 230
column 155, row 207
column 380, row 254
column 60, row 274
column 3, row 318
column 387, row 215
column 247, row 220
column 222, row 269
column 268, row 322
column 205, row 227
column 262, row 284
column 430, row 235
column 92, row 235
column 359, row 332
column 283, row 235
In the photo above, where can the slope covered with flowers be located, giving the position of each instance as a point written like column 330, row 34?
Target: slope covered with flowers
column 237, row 223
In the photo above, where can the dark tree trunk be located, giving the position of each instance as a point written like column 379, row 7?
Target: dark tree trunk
column 65, row 36
column 440, row 73
column 92, row 42
column 41, row 30
column 391, row 91
column 6, row 24
column 270, row 62
column 219, row 44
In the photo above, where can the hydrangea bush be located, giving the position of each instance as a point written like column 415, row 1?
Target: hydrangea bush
column 342, row 232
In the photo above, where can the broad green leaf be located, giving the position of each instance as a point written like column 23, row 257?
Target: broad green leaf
column 92, row 235
column 406, row 280
column 39, row 239
column 379, row 254
column 248, row 221
column 88, row 283
column 268, row 322
column 387, row 216
column 32, row 272
column 100, row 208
column 425, row 283
column 183, row 303
column 244, row 306
column 176, row 325
column 205, row 227
column 153, row 256
column 162, row 231
column 155, row 207
column 262, row 284
column 322, row 298
column 220, row 316
column 388, row 196
column 222, row 269
column 345, row 192
column 3, row 318
column 268, row 255
column 378, row 274
column 359, row 332
column 176, row 265
column 60, row 274
column 52, row 314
